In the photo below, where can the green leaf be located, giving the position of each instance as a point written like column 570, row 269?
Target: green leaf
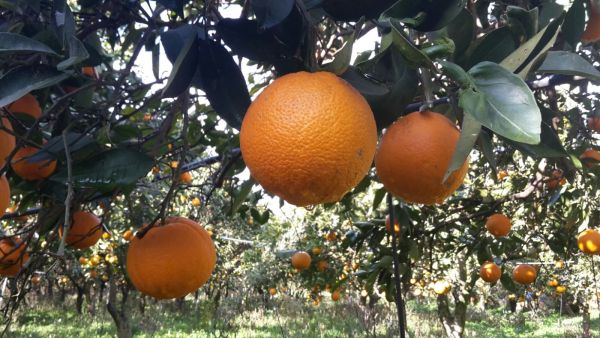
column 183, row 70
column 508, row 283
column 495, row 46
column 16, row 43
column 343, row 57
column 502, row 102
column 25, row 79
column 108, row 171
column 523, row 20
column 270, row 13
column 424, row 16
column 568, row 63
column 379, row 195
column 462, row 31
column 77, row 54
column 574, row 24
column 468, row 137
column 550, row 145
column 363, row 84
column 408, row 50
column 525, row 57
column 241, row 196
column 487, row 149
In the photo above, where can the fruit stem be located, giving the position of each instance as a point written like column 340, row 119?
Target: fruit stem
column 398, row 295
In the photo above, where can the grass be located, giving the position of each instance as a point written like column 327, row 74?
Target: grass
column 290, row 318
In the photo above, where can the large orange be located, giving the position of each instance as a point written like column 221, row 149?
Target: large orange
column 7, row 141
column 590, row 158
column 589, row 242
column 12, row 256
column 524, row 274
column 490, row 272
column 594, row 123
column 498, row 225
column 27, row 104
column 592, row 29
column 29, row 170
column 309, row 138
column 4, row 195
column 172, row 259
column 301, row 260
column 85, row 230
column 413, row 157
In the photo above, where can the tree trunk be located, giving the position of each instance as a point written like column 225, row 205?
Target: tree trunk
column 586, row 321
column 119, row 317
column 79, row 302
column 452, row 328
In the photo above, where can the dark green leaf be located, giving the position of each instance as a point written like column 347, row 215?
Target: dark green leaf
column 409, row 51
column 240, row 197
column 270, row 13
column 468, row 137
column 574, row 24
column 183, row 69
column 462, row 31
column 550, row 144
column 495, row 46
column 568, row 63
column 425, row 16
column 507, row 282
column 363, row 84
column 25, row 79
column 353, row 10
column 77, row 54
column 340, row 64
column 523, row 20
column 15, row 43
column 55, row 147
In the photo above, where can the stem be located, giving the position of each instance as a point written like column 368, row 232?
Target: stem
column 594, row 281
column 67, row 222
column 398, row 295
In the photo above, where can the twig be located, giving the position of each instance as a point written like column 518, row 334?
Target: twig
column 398, row 295
column 67, row 221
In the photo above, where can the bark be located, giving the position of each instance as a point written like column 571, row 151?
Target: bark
column 79, row 301
column 119, row 316
column 586, row 321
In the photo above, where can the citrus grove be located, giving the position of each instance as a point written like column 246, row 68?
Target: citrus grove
column 234, row 157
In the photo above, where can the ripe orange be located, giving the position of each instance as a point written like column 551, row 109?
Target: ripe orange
column 592, row 29
column 561, row 289
column 322, row 265
column 196, row 202
column 388, row 228
column 502, row 174
column 83, row 261
column 186, row 177
column 594, row 123
column 35, row 280
column 106, row 236
column 90, row 72
column 335, row 296
column 272, row 291
column 331, row 236
column 553, row 283
column 27, row 104
column 309, row 138
column 498, row 225
column 590, row 158
column 95, row 260
column 93, row 274
column 589, row 242
column 316, row 250
column 13, row 255
column 4, row 195
column 490, row 272
column 29, row 170
column 128, row 235
column 524, row 274
column 413, row 157
column 442, row 287
column 172, row 259
column 301, row 260
column 559, row 264
column 556, row 180
column 85, row 231
column 7, row 141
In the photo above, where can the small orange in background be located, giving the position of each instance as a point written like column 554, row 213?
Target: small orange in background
column 95, row 260
column 83, row 261
column 147, row 117
column 85, row 231
column 590, row 158
column 561, row 289
column 553, row 283
column 490, row 272
column 272, row 291
column 186, row 177
column 524, row 274
column 588, row 242
column 29, row 170
column 7, row 140
column 557, row 179
column 106, row 236
column 397, row 228
column 331, row 236
column 442, row 287
column 35, row 280
column 27, row 104
column 414, row 155
column 502, row 174
column 559, row 264
column 498, row 225
column 316, row 250
column 13, row 256
column 592, row 29
column 155, row 169
column 196, row 202
column 128, row 235
column 93, row 274
column 335, row 296
column 301, row 260
column 594, row 123
column 4, row 195
column 90, row 72
column 322, row 265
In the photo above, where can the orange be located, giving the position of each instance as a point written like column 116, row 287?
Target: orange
column 322, row 265
column 592, row 29
column 128, row 235
column 301, row 260
column 186, row 177
column 95, row 260
column 4, row 195
column 273, row 291
column 13, row 255
column 553, row 283
column 7, row 141
column 335, row 296
column 388, row 227
column 490, row 272
column 13, row 209
column 35, row 280
column 29, row 170
column 502, row 174
column 559, row 264
column 561, row 289
column 83, row 261
column 85, row 230
column 556, row 180
column 27, row 104
column 90, row 72
column 594, row 123
column 196, row 202
column 172, row 259
column 331, row 236
column 93, row 274
column 316, row 250
column 589, row 242
column 442, row 287
column 524, row 274
column 309, row 138
column 498, row 225
column 590, row 158
column 414, row 155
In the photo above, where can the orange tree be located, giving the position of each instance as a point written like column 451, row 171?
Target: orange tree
column 82, row 131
